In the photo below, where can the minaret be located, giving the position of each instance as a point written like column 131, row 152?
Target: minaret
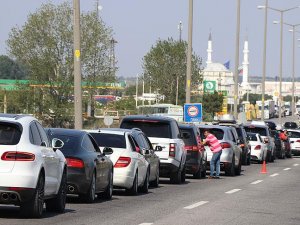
column 245, row 65
column 209, row 50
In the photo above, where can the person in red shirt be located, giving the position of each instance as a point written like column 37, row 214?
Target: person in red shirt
column 216, row 148
column 283, row 135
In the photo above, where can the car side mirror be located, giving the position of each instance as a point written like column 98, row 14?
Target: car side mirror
column 158, row 148
column 108, row 151
column 57, row 143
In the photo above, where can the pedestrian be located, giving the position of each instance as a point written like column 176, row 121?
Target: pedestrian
column 283, row 135
column 216, row 148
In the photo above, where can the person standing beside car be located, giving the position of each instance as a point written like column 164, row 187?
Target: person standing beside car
column 216, row 148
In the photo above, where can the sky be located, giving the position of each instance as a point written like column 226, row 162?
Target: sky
column 138, row 24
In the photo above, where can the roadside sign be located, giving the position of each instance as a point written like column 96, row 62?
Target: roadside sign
column 209, row 86
column 193, row 112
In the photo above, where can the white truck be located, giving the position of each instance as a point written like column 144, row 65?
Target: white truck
column 269, row 109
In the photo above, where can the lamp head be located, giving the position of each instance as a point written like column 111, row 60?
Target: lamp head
column 261, row 7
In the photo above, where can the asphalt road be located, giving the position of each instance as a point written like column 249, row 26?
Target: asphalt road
column 252, row 198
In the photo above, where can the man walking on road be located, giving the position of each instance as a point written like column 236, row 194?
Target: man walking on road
column 216, row 148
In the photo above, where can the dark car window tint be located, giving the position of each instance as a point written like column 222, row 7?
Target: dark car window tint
column 10, row 134
column 133, row 143
column 148, row 142
column 43, row 134
column 259, row 130
column 36, row 138
column 192, row 139
column 150, row 128
column 294, row 134
column 87, row 144
column 219, row 133
column 71, row 143
column 109, row 140
column 252, row 137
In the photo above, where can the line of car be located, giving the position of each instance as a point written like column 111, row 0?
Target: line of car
column 44, row 165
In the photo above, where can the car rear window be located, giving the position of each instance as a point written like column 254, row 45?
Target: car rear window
column 219, row 133
column 293, row 134
column 150, row 128
column 252, row 137
column 10, row 134
column 71, row 143
column 110, row 140
column 192, row 139
column 260, row 130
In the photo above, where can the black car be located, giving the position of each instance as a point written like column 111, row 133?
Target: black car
column 272, row 125
column 280, row 149
column 195, row 157
column 90, row 172
column 290, row 125
column 244, row 144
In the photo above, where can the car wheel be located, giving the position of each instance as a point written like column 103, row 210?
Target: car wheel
column 248, row 159
column 34, row 207
column 155, row 183
column 109, row 189
column 238, row 169
column 175, row 177
column 145, row 187
column 58, row 203
column 134, row 189
column 229, row 171
column 183, row 172
column 197, row 175
column 91, row 194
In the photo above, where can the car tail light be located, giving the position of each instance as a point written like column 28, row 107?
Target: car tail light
column 225, row 145
column 298, row 141
column 17, row 156
column 75, row 163
column 193, row 148
column 172, row 150
column 257, row 147
column 122, row 162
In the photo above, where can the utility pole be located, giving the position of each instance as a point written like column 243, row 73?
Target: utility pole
column 237, row 51
column 136, row 91
column 189, row 54
column 77, row 66
column 180, row 31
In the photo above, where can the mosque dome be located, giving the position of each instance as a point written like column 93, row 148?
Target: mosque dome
column 216, row 67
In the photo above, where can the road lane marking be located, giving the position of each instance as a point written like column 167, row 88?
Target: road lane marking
column 287, row 169
column 196, row 205
column 274, row 175
column 257, row 182
column 145, row 223
column 232, row 191
column 296, row 164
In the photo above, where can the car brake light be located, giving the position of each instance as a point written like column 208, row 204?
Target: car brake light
column 192, row 148
column 17, row 156
column 172, row 150
column 257, row 147
column 225, row 145
column 75, row 163
column 122, row 162
column 298, row 141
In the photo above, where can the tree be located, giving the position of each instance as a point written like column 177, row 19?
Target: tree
column 10, row 69
column 45, row 46
column 212, row 103
column 164, row 63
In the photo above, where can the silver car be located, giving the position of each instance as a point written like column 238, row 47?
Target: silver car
column 231, row 161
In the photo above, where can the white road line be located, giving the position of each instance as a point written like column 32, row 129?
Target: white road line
column 287, row 169
column 274, row 175
column 257, row 182
column 145, row 223
column 196, row 205
column 232, row 191
column 296, row 164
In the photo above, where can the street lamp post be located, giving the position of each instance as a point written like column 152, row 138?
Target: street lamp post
column 189, row 54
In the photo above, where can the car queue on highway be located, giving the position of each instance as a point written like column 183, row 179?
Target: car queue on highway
column 43, row 166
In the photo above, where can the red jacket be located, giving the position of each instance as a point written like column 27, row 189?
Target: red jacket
column 282, row 136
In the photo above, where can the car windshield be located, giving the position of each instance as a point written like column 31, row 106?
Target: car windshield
column 293, row 134
column 110, row 140
column 10, row 134
column 258, row 130
column 150, row 128
column 192, row 139
column 71, row 143
column 219, row 133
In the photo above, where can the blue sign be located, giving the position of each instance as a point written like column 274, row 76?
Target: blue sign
column 193, row 112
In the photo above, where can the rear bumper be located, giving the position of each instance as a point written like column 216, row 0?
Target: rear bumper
column 77, row 181
column 295, row 151
column 167, row 168
column 8, row 196
column 192, row 166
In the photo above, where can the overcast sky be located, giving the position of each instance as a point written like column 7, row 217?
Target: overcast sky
column 138, row 24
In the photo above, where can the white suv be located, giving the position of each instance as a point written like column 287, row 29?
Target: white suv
column 31, row 171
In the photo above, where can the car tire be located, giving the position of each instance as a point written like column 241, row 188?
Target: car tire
column 248, row 160
column 58, row 203
column 34, row 207
column 145, row 187
column 197, row 175
column 183, row 173
column 175, row 177
column 238, row 170
column 90, row 196
column 134, row 189
column 155, row 183
column 229, row 171
column 107, row 194
column 203, row 171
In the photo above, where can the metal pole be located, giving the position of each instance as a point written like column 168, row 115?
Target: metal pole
column 150, row 93
column 143, row 89
column 293, row 85
column 180, row 30
column 280, row 66
column 263, row 84
column 136, row 91
column 189, row 54
column 77, row 66
column 237, row 50
column 177, row 91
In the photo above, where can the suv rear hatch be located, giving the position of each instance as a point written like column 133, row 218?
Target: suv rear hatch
column 191, row 145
